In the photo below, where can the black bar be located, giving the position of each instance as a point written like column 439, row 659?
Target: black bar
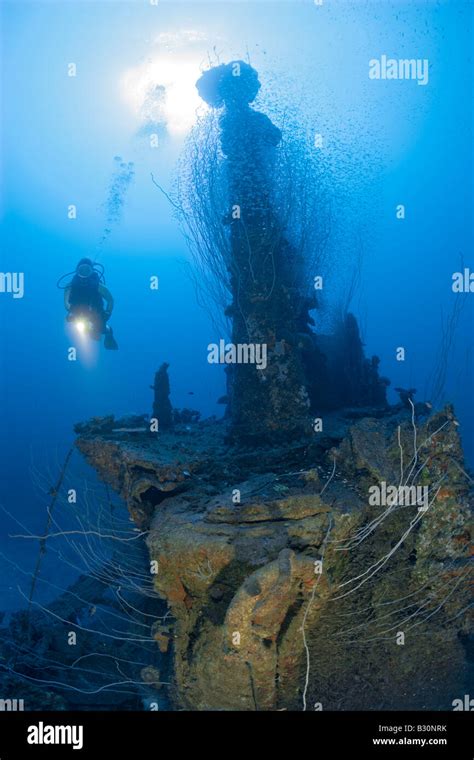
column 314, row 734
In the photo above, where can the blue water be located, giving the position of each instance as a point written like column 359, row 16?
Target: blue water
column 409, row 144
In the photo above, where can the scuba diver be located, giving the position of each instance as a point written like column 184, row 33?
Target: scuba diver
column 84, row 298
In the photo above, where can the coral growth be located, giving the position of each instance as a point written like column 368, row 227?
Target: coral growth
column 286, row 586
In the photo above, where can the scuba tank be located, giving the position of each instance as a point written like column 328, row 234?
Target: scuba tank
column 85, row 292
column 84, row 286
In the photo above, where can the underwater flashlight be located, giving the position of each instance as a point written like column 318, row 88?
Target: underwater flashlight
column 80, row 326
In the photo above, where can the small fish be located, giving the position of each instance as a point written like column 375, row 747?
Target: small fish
column 190, row 393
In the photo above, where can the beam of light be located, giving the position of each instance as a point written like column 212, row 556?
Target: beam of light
column 162, row 92
column 86, row 348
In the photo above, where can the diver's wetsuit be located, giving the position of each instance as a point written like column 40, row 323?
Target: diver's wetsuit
column 85, row 298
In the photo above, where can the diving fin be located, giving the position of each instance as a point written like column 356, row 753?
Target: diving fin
column 109, row 341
